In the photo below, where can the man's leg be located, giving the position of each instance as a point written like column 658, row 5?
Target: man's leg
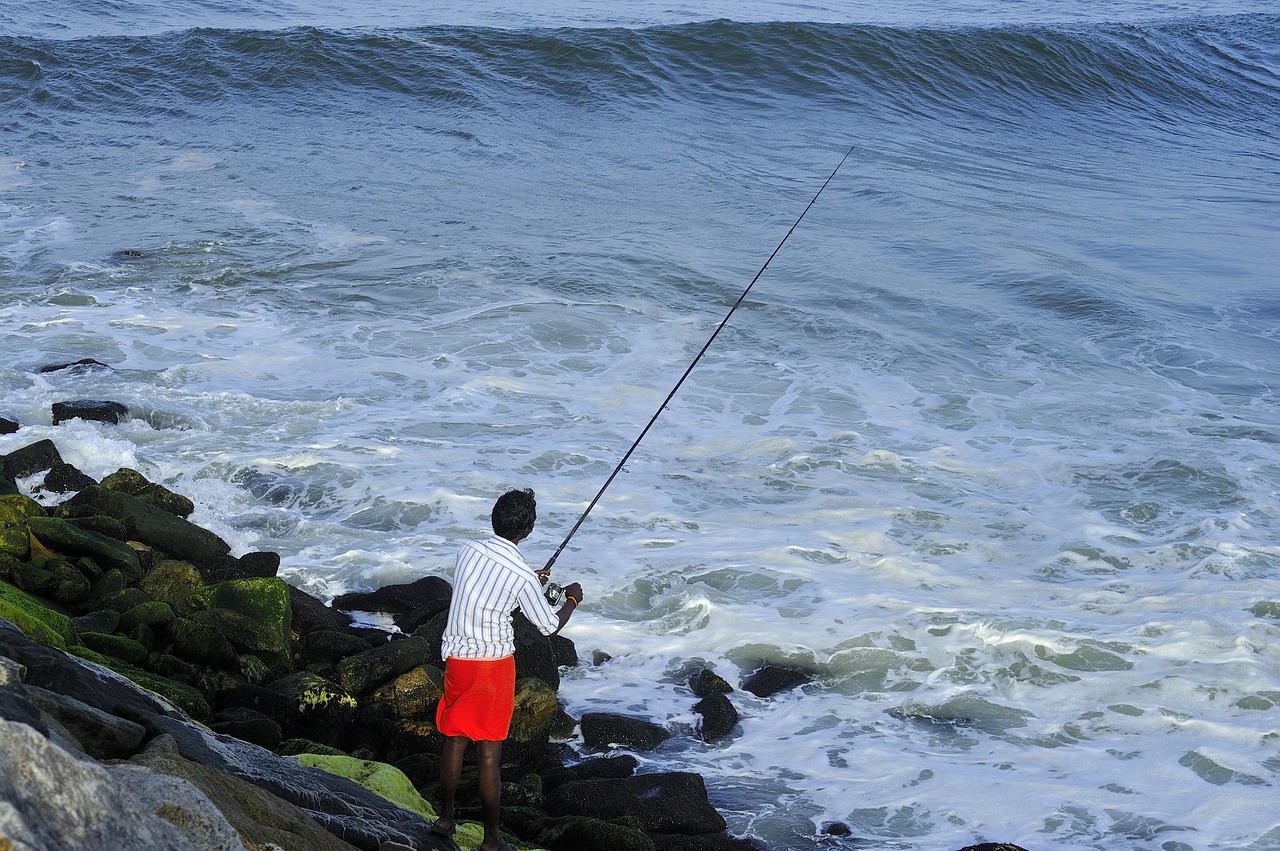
column 489, row 756
column 450, row 772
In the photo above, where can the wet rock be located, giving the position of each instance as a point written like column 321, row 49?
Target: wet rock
column 67, row 538
column 64, row 478
column 396, row 599
column 31, row 459
column 704, row 682
column 718, row 717
column 414, row 693
column 673, row 802
column 89, row 409
column 772, row 679
column 155, row 526
column 100, row 734
column 8, row 426
column 370, row 668
column 313, row 697
column 603, row 730
column 82, row 365
column 535, row 709
column 249, row 725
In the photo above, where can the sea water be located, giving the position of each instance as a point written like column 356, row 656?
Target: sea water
column 992, row 446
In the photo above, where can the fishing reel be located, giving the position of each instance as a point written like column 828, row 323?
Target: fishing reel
column 554, row 593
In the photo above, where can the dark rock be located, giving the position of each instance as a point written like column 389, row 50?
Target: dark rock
column 82, row 365
column 328, row 646
column 116, row 646
column 534, row 657
column 772, row 679
column 609, row 767
column 260, row 817
column 601, row 730
column 433, row 632
column 156, row 527
column 673, row 802
column 64, row 478
column 992, row 846
column 718, row 717
column 67, row 538
column 705, row 682
column 134, row 484
column 108, row 527
column 421, row 614
column 564, row 653
column 371, row 668
column 101, row 734
column 31, row 459
column 89, row 409
column 202, row 644
column 255, row 565
column 15, row 700
column 277, row 706
column 314, row 697
column 310, row 614
column 703, row 842
column 105, row 620
column 249, row 725
column 396, row 599
column 8, row 426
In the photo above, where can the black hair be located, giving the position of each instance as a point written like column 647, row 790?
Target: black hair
column 514, row 513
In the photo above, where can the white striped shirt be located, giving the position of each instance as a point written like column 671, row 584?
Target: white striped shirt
column 490, row 580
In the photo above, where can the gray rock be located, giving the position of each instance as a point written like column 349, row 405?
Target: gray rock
column 100, row 734
column 602, row 730
column 673, row 802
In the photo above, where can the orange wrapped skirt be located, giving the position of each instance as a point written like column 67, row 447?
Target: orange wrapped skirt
column 479, row 697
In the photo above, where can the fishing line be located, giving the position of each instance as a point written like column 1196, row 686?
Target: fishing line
column 547, row 569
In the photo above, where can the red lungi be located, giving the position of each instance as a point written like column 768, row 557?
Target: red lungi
column 479, row 697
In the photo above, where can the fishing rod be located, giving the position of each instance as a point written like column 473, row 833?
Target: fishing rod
column 546, row 570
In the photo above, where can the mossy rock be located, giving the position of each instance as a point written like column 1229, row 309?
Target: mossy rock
column 135, row 484
column 65, row 537
column 156, row 614
column 385, row 780
column 56, row 580
column 116, row 646
column 37, row 621
column 413, row 693
column 535, row 710
column 202, row 644
column 313, row 697
column 124, row 599
column 16, row 509
column 261, row 614
column 15, row 542
column 295, row 747
column 183, row 696
column 175, row 583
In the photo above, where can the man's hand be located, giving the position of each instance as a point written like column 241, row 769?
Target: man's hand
column 574, row 590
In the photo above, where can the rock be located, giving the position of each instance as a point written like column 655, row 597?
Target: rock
column 769, row 680
column 706, row 682
column 364, row 671
column 174, row 583
column 202, row 644
column 67, row 538
column 534, row 711
column 414, row 693
column 249, row 725
column 718, row 717
column 82, row 365
column 8, row 426
column 408, row 622
column 155, row 526
column 396, row 599
column 64, row 478
column 100, row 734
column 328, row 646
column 89, row 409
column 609, row 767
column 260, row 619
column 313, row 697
column 260, row 817
column 673, row 802
column 248, row 566
column 117, row 646
column 31, row 459
column 56, row 800
column 992, row 846
column 30, row 617
column 310, row 614
column 15, row 700
column 133, row 483
column 534, row 657
column 602, row 730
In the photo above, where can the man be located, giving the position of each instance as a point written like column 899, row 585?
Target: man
column 491, row 579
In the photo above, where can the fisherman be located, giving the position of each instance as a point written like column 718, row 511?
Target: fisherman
column 490, row 579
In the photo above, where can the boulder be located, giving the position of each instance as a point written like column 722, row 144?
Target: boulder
column 672, row 802
column 769, row 680
column 68, row 538
column 603, row 730
column 718, row 717
column 82, row 365
column 396, row 599
column 704, row 682
column 31, row 459
column 414, row 693
column 534, row 713
column 155, row 526
column 133, row 483
column 313, row 697
column 65, row 478
column 89, row 409
column 100, row 734
column 8, row 426
column 371, row 668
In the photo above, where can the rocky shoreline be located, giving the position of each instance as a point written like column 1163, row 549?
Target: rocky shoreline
column 158, row 692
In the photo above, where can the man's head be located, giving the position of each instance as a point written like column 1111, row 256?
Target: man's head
column 514, row 514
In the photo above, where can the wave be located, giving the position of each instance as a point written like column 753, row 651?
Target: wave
column 1170, row 71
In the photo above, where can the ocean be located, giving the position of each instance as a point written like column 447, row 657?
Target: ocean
column 992, row 446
